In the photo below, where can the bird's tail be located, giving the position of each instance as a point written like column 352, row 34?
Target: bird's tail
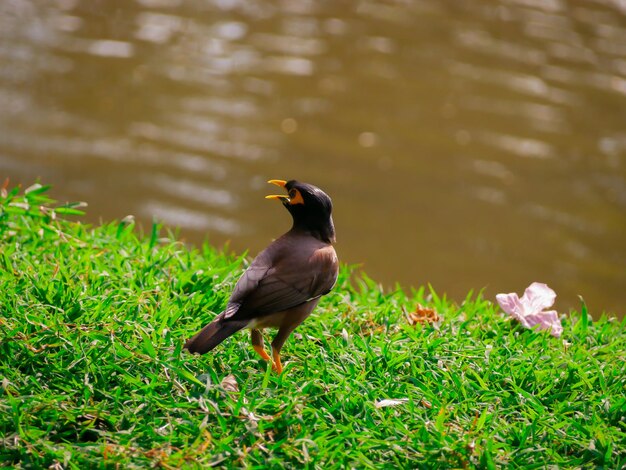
column 213, row 334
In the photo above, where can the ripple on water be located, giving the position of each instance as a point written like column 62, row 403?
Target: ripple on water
column 181, row 216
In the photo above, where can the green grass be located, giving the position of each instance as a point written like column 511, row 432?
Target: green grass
column 92, row 322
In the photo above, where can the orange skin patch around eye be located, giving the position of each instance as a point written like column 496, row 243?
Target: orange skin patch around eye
column 296, row 198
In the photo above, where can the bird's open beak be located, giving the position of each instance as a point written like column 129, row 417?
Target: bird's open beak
column 280, row 197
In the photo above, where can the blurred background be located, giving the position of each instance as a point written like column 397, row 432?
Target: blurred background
column 467, row 144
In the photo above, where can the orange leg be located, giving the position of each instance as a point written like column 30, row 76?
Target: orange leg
column 277, row 366
column 296, row 316
column 279, row 340
column 257, row 344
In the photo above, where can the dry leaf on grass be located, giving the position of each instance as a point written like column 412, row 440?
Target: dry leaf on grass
column 370, row 326
column 390, row 402
column 422, row 315
column 229, row 383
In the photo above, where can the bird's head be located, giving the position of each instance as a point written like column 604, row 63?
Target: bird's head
column 310, row 207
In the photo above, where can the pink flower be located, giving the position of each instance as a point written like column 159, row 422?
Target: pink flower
column 530, row 309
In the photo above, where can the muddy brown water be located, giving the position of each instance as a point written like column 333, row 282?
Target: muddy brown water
column 468, row 145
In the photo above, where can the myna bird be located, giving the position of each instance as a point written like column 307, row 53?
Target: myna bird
column 285, row 281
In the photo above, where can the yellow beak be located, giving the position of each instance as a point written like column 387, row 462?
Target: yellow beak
column 282, row 184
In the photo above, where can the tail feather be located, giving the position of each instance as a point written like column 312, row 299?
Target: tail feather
column 213, row 334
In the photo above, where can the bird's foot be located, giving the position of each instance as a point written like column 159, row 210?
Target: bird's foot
column 277, row 365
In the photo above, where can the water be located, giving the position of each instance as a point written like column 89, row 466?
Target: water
column 467, row 144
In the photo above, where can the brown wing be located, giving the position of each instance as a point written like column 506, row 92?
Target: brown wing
column 283, row 276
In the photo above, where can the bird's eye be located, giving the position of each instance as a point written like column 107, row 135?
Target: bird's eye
column 295, row 197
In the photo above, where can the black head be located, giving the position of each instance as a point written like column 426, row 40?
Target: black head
column 310, row 207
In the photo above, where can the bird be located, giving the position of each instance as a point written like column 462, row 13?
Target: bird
column 285, row 282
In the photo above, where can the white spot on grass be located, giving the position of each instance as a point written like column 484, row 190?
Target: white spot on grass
column 390, row 402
